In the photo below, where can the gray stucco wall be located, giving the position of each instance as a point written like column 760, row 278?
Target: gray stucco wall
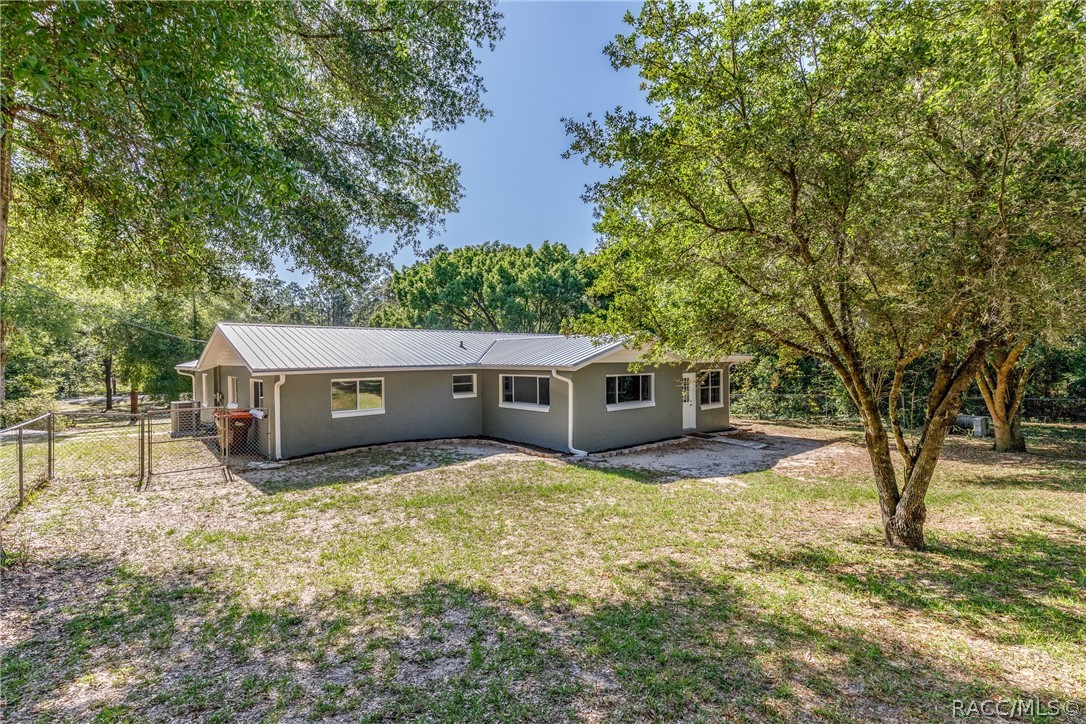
column 260, row 434
column 418, row 405
column 718, row 418
column 546, row 429
column 595, row 428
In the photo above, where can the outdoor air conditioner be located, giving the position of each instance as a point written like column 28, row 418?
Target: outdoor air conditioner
column 184, row 418
column 978, row 423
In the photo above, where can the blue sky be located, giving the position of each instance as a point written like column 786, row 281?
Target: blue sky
column 550, row 65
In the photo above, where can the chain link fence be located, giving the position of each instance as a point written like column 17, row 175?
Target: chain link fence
column 1037, row 409
column 95, row 446
column 189, row 438
column 762, row 404
column 26, row 460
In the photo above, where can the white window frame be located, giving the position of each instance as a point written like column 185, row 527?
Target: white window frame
column 616, row 406
column 253, row 382
column 710, row 405
column 521, row 405
column 474, row 385
column 356, row 412
column 231, row 390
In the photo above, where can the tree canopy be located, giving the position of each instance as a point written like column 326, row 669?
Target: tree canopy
column 862, row 183
column 194, row 140
column 494, row 287
column 214, row 135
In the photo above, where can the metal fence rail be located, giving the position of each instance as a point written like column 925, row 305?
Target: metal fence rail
column 90, row 446
column 189, row 439
column 26, row 460
column 763, row 404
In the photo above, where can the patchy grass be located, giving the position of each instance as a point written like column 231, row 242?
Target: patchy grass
column 464, row 582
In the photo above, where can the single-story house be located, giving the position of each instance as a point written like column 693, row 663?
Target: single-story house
column 330, row 388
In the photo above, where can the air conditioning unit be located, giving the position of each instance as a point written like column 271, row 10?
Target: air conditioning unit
column 979, row 424
column 184, row 418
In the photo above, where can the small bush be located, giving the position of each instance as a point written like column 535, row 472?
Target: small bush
column 12, row 412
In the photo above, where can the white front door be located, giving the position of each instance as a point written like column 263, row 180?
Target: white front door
column 690, row 389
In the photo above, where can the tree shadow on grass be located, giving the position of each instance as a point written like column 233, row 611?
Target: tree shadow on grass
column 1015, row 589
column 93, row 638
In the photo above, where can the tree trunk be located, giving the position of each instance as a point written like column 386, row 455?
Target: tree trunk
column 134, row 401
column 1008, row 435
column 107, row 366
column 1002, row 383
column 7, row 127
column 903, row 509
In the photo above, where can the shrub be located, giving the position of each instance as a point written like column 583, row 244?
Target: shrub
column 15, row 411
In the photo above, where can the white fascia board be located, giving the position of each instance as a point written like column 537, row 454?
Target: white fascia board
column 220, row 339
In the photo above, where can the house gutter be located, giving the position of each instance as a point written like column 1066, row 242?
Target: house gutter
column 278, row 427
column 569, row 426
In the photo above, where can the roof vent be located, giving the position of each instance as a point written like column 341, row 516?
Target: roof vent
column 462, row 345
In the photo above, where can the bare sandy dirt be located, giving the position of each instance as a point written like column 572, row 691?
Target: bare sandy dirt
column 787, row 450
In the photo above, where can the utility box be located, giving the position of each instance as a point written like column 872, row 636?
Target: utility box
column 979, row 424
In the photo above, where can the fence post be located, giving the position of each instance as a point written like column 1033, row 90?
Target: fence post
column 142, row 442
column 50, row 432
column 228, row 431
column 19, row 439
column 150, row 427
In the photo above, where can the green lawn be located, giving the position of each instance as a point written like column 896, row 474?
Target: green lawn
column 465, row 582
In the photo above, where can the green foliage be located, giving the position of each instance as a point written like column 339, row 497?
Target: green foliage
column 864, row 183
column 801, row 182
column 204, row 137
column 492, row 286
column 776, row 385
column 320, row 302
column 27, row 407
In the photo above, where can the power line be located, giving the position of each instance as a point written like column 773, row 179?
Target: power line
column 117, row 318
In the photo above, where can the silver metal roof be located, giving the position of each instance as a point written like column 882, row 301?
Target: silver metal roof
column 282, row 347
column 545, row 352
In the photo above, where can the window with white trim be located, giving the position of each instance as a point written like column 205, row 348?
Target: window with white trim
column 712, row 388
column 231, row 391
column 526, row 392
column 463, row 385
column 626, row 391
column 256, row 393
column 358, row 397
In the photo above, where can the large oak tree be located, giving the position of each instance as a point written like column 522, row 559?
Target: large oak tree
column 196, row 138
column 864, row 183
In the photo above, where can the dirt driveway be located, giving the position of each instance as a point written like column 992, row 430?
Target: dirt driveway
column 791, row 451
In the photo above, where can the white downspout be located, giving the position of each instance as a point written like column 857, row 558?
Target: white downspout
column 278, row 427
column 191, row 376
column 569, row 401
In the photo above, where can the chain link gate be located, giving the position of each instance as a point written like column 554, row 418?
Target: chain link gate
column 190, row 439
column 87, row 446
